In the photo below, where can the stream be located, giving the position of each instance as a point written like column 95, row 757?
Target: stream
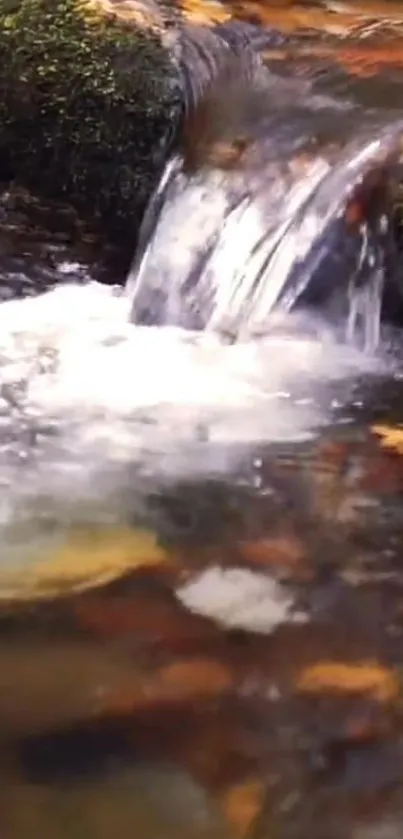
column 201, row 520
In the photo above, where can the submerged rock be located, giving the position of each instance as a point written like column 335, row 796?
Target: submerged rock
column 86, row 559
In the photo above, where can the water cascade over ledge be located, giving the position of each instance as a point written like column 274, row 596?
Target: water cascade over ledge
column 105, row 396
column 283, row 195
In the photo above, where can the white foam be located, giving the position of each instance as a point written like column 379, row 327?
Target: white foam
column 238, row 599
column 90, row 404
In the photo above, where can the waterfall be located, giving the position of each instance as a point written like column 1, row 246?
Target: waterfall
column 253, row 213
column 280, row 194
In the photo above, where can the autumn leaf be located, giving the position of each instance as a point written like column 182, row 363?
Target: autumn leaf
column 368, row 677
column 391, row 436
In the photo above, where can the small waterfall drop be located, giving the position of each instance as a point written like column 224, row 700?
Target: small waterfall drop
column 262, row 220
column 98, row 402
column 99, row 405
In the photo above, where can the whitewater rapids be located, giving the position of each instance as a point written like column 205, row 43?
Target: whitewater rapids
column 93, row 407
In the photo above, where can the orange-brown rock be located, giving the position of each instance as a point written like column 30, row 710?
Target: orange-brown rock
column 87, row 559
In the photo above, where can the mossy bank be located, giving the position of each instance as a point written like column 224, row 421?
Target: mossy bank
column 87, row 104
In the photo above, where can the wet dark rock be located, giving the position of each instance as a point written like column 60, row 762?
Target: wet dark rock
column 88, row 104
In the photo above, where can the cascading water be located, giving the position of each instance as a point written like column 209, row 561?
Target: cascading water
column 97, row 401
column 230, row 241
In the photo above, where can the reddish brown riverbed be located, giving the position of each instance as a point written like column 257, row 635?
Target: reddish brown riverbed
column 120, row 710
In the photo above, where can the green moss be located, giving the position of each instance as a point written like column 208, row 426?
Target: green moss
column 85, row 103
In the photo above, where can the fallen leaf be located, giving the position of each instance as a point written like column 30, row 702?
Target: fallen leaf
column 391, row 436
column 86, row 560
column 367, row 677
column 242, row 804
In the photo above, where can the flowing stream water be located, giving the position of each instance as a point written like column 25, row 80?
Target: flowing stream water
column 224, row 400
column 230, row 241
column 102, row 391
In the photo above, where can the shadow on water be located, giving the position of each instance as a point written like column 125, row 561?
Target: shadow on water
column 208, row 641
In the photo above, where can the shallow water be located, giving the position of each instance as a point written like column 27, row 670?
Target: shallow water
column 91, row 403
column 200, row 570
column 277, row 512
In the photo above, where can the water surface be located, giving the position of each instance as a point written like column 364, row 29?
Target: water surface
column 231, row 664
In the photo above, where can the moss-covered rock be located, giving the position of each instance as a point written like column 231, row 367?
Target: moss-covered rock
column 87, row 103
